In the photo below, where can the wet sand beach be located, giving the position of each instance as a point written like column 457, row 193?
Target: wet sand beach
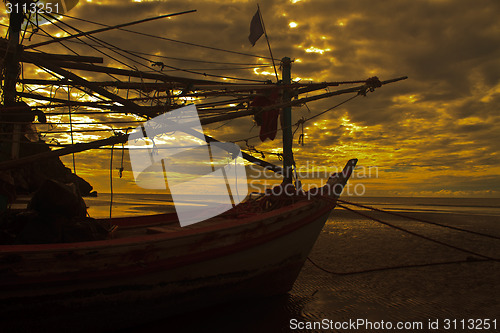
column 452, row 291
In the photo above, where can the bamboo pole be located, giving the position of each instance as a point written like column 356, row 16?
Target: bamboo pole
column 123, row 138
column 79, row 147
column 286, row 125
column 223, row 88
column 11, row 74
column 106, row 29
column 129, row 73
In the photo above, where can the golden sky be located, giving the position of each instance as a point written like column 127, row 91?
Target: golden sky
column 435, row 134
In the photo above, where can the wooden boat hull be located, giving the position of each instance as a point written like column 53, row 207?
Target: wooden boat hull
column 162, row 271
column 266, row 264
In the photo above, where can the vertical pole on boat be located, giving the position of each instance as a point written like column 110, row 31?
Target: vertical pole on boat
column 11, row 71
column 286, row 125
column 267, row 39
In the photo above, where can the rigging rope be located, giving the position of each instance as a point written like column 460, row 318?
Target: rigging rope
column 333, row 107
column 91, row 38
column 90, row 93
column 157, row 55
column 168, row 39
column 71, row 128
column 113, row 48
column 54, row 38
column 302, row 120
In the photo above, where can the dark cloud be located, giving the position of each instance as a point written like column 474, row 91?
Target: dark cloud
column 444, row 117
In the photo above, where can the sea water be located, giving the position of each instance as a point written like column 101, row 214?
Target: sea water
column 133, row 204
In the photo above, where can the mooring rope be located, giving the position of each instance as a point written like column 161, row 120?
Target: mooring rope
column 418, row 235
column 380, row 269
column 419, row 220
column 111, row 182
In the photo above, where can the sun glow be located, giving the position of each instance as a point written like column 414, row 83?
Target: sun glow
column 405, row 99
column 351, row 127
column 313, row 49
column 256, row 71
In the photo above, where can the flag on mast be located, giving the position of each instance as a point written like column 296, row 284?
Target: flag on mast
column 256, row 28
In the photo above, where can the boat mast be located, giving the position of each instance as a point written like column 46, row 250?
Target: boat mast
column 11, row 70
column 286, row 125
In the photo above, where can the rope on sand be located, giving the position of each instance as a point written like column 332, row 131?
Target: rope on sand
column 468, row 260
column 419, row 220
column 421, row 236
column 381, row 269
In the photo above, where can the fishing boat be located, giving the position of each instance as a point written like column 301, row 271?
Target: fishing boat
column 151, row 266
